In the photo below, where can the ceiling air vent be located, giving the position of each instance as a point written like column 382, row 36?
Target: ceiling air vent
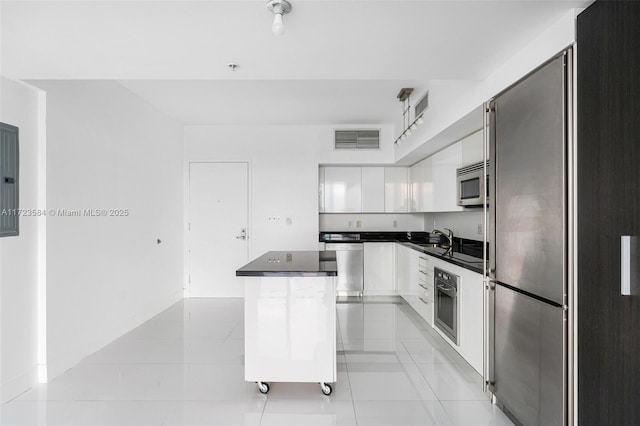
column 357, row 139
column 422, row 105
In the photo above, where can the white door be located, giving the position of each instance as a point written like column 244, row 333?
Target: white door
column 218, row 202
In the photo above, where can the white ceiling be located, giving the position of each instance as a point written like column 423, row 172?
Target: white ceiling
column 338, row 62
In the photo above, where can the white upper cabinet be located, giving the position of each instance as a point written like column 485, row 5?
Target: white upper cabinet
column 421, row 186
column 342, row 190
column 444, row 165
column 363, row 190
column 321, row 208
column 472, row 148
column 373, row 189
column 396, row 189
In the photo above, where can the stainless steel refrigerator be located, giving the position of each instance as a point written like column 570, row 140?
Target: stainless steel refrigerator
column 528, row 128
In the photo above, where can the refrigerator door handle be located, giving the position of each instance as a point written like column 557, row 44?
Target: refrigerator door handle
column 491, row 188
column 490, row 356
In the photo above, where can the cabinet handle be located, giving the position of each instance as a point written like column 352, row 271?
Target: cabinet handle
column 627, row 253
column 426, row 288
column 423, row 301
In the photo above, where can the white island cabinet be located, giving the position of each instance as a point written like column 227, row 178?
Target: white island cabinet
column 290, row 318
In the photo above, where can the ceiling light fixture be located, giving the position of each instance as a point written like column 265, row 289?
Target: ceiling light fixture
column 278, row 8
column 409, row 126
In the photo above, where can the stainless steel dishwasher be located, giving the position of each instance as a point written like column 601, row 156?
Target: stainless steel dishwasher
column 350, row 259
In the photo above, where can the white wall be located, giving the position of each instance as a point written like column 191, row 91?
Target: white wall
column 387, row 222
column 283, row 163
column 107, row 149
column 19, row 106
column 465, row 224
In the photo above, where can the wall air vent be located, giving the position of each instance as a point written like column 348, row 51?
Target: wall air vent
column 422, row 105
column 357, row 139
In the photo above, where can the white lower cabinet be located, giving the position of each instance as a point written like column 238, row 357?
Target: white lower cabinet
column 415, row 283
column 379, row 269
column 425, row 287
column 403, row 271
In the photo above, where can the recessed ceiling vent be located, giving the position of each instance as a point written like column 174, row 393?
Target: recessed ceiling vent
column 422, row 105
column 357, row 139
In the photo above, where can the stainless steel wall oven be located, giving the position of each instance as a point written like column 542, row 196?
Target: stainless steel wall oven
column 446, row 303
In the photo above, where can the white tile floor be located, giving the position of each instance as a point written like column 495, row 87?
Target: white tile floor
column 185, row 367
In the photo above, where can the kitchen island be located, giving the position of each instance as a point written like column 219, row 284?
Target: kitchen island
column 290, row 318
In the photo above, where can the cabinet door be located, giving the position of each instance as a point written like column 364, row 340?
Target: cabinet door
column 425, row 288
column 444, row 165
column 378, row 269
column 472, row 151
column 471, row 304
column 403, row 270
column 373, row 189
column 321, row 208
column 415, row 177
column 419, row 185
column 396, row 190
column 343, row 190
column 608, row 208
column 424, row 188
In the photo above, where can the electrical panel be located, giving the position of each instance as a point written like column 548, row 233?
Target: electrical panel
column 9, row 177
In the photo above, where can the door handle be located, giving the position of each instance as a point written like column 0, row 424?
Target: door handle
column 243, row 234
column 628, row 274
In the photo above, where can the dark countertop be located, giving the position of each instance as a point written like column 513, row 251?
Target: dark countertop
column 292, row 264
column 372, row 237
column 459, row 259
column 467, row 253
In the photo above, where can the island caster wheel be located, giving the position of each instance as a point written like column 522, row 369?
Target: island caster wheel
column 326, row 388
column 263, row 387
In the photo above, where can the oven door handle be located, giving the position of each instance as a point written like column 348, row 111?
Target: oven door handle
column 449, row 291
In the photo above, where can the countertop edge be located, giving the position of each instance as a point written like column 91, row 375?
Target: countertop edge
column 286, row 274
column 293, row 263
column 456, row 262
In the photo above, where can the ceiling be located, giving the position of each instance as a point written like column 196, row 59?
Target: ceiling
column 338, row 61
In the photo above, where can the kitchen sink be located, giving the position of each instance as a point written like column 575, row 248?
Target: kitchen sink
column 442, row 252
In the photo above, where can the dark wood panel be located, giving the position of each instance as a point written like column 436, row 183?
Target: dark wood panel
column 608, row 135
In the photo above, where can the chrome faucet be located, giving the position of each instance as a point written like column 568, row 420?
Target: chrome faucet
column 448, row 236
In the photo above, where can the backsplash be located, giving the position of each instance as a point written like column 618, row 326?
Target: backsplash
column 466, row 224
column 332, row 222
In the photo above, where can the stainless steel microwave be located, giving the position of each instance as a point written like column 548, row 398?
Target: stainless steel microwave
column 472, row 185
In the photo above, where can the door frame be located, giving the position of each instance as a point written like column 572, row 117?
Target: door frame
column 186, row 214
